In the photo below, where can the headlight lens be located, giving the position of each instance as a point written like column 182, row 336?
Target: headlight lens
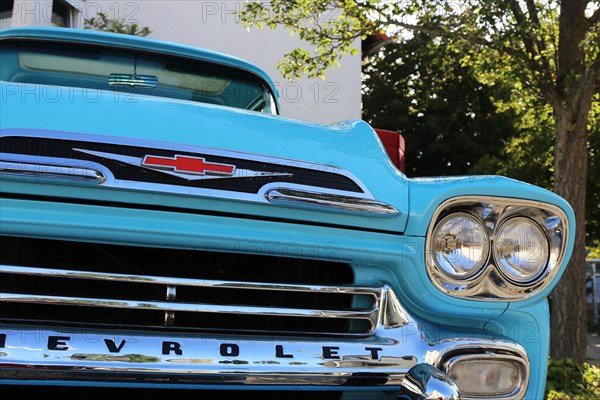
column 460, row 245
column 521, row 249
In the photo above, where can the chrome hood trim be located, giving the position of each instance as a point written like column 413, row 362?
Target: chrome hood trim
column 315, row 200
column 280, row 188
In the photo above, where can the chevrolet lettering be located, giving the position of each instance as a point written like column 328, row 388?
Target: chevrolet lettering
column 62, row 342
column 194, row 243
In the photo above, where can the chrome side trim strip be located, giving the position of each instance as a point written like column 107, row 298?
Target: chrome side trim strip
column 43, row 173
column 330, row 202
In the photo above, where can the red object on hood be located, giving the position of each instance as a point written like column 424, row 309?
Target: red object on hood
column 394, row 145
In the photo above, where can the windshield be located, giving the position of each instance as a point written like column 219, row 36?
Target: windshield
column 129, row 71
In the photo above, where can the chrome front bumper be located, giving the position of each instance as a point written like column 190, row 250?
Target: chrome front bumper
column 398, row 359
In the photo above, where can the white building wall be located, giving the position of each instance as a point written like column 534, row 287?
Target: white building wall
column 215, row 25
column 39, row 13
column 32, row 13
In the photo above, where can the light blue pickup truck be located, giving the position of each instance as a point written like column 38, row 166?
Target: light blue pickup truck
column 163, row 228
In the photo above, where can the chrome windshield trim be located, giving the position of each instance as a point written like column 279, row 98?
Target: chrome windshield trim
column 330, row 202
column 46, row 173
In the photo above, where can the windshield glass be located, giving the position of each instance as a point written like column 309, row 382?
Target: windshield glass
column 133, row 72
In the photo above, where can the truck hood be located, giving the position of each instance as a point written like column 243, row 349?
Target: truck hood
column 336, row 175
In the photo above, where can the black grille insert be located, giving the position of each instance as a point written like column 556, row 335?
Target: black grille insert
column 106, row 285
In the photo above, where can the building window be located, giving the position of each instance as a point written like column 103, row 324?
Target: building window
column 62, row 14
column 6, row 13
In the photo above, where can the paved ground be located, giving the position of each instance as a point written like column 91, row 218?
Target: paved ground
column 593, row 348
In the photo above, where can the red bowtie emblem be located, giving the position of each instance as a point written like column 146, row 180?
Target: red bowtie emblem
column 188, row 165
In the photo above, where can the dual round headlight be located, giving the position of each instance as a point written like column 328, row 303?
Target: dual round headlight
column 521, row 249
column 461, row 243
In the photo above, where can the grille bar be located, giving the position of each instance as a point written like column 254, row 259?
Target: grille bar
column 188, row 307
column 35, row 287
column 21, row 270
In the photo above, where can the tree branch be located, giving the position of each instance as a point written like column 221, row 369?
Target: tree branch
column 536, row 49
column 522, row 22
column 533, row 12
column 542, row 46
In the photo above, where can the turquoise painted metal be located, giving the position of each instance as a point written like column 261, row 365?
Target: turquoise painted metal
column 387, row 250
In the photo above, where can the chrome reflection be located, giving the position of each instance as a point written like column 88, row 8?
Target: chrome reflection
column 492, row 284
column 399, row 356
column 394, row 359
column 425, row 382
column 330, row 202
column 368, row 315
column 42, row 173
column 379, row 306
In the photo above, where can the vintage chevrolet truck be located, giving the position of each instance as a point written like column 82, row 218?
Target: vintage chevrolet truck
column 164, row 229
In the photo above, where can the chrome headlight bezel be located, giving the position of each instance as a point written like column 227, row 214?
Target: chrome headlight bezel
column 492, row 282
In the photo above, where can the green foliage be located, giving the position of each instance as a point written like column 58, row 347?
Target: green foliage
column 568, row 380
column 593, row 182
column 527, row 156
column 421, row 88
column 528, row 36
column 332, row 27
column 101, row 22
column 593, row 250
column 504, row 44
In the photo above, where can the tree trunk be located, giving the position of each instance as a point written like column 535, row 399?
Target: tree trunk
column 572, row 104
column 568, row 336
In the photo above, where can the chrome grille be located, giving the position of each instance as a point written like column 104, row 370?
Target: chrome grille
column 41, row 287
